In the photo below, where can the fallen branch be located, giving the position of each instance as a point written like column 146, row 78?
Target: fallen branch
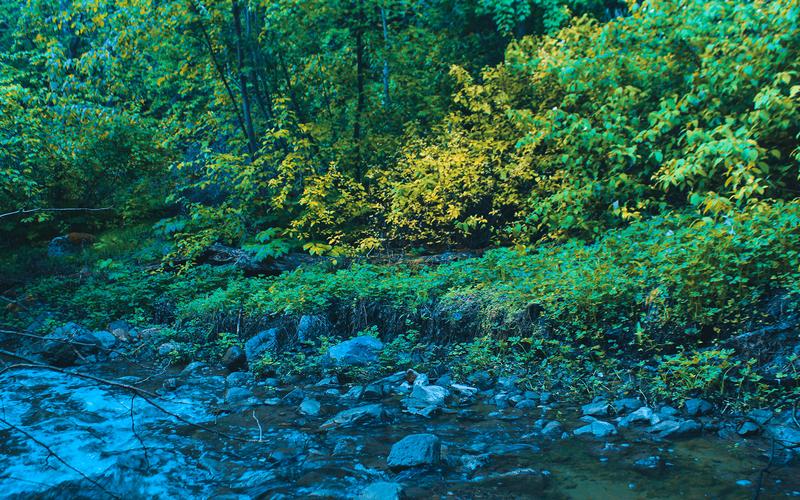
column 53, row 454
column 26, row 211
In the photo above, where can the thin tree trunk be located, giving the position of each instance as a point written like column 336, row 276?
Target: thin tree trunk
column 359, row 111
column 386, row 98
column 243, row 84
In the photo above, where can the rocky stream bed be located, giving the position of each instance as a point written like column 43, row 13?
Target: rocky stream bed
column 101, row 428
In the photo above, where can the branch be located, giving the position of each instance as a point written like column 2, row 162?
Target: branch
column 25, row 211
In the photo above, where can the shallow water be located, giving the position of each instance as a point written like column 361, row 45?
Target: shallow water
column 141, row 452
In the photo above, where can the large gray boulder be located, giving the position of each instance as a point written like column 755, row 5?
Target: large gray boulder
column 598, row 429
column 415, row 450
column 359, row 351
column 697, row 407
column 264, row 342
column 234, row 359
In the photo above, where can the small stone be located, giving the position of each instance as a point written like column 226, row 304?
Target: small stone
column 382, row 491
column 642, row 415
column 414, row 451
column 600, row 408
column 359, row 415
column 650, row 463
column 598, row 429
column 310, row 407
column 748, row 428
column 744, row 483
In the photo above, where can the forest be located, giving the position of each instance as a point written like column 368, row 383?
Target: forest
column 366, row 219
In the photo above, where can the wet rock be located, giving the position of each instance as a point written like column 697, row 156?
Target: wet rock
column 527, row 404
column 667, row 411
column 234, row 359
column 596, row 409
column 354, row 393
column 508, row 384
column 414, row 451
column 697, row 407
column 310, row 407
column 294, row 396
column 597, row 429
column 651, row 463
column 482, row 380
column 552, row 430
column 518, row 482
column 238, row 396
column 193, row 368
column 67, row 344
column 363, row 414
column 499, row 400
column 382, row 490
column 345, row 446
column 462, row 390
column 627, row 405
column 748, row 428
column 675, row 428
column 239, row 379
column 262, row 343
column 640, row 416
column 373, row 392
column 426, row 396
column 545, row 397
column 120, row 329
column 311, row 327
column 760, row 416
column 332, row 381
column 105, row 340
column 359, row 351
column 789, row 439
column 472, row 463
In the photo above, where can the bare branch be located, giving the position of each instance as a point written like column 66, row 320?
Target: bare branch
column 26, row 211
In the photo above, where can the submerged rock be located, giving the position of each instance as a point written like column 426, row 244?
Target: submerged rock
column 310, row 407
column 358, row 351
column 414, row 451
column 382, row 490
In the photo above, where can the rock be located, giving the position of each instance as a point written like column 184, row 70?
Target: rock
column 238, row 395
column 552, row 430
column 482, row 380
column 354, row 393
column 106, row 340
column 499, row 400
column 649, row 463
column 239, row 379
column 67, row 344
column 760, row 416
column 627, row 405
column 462, row 390
column 382, row 490
column 311, row 327
column 423, row 396
column 263, row 342
column 508, row 383
column 358, row 415
column 359, row 351
column 121, row 329
column 599, row 408
column 331, row 381
column 471, row 463
column 166, row 348
column 414, row 451
column 787, row 437
column 527, row 404
column 373, row 392
column 744, row 483
column 697, row 407
column 310, row 407
column 598, row 429
column 234, row 359
column 526, row 482
column 748, row 428
column 675, row 428
column 192, row 367
column 295, row 396
column 643, row 414
column 667, row 411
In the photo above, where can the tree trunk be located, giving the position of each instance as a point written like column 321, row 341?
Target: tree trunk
column 243, row 83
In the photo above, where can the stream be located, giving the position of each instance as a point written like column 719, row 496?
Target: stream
column 263, row 447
